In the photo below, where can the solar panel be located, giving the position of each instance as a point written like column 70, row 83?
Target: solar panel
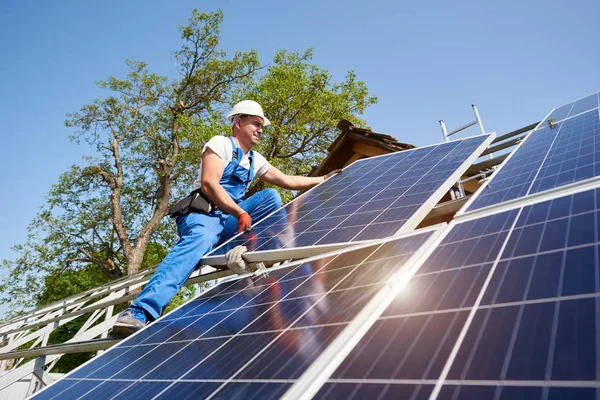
column 502, row 303
column 507, row 307
column 575, row 107
column 514, row 178
column 585, row 104
column 540, row 310
column 549, row 157
column 574, row 155
column 372, row 199
column 561, row 113
column 248, row 337
column 406, row 349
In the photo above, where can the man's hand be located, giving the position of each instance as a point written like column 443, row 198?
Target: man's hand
column 235, row 262
column 332, row 173
column 244, row 222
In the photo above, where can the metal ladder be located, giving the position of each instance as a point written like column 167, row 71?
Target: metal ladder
column 457, row 194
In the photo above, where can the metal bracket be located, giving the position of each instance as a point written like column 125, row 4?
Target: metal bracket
column 261, row 271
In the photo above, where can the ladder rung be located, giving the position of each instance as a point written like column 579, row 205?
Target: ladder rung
column 501, row 146
column 462, row 128
column 515, row 133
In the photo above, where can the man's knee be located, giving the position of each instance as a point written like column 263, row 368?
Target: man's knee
column 272, row 197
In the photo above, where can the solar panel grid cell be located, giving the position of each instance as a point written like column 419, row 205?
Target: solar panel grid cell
column 585, row 104
column 576, row 107
column 561, row 112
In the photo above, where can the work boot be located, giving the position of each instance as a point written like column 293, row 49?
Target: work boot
column 130, row 321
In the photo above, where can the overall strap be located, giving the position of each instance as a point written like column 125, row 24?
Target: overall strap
column 251, row 169
column 239, row 154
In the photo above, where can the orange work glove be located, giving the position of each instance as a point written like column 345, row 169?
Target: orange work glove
column 332, row 173
column 244, row 222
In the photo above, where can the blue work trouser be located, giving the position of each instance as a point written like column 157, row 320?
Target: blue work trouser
column 198, row 234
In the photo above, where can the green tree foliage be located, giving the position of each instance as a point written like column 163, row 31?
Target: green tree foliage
column 145, row 134
column 105, row 219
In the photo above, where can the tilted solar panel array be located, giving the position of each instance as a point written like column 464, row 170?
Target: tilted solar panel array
column 549, row 157
column 500, row 304
column 247, row 338
column 507, row 307
column 373, row 198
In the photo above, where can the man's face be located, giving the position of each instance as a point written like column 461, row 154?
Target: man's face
column 249, row 130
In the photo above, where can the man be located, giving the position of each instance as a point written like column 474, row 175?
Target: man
column 228, row 167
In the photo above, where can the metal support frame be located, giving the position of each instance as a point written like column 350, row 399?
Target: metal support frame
column 478, row 122
column 38, row 324
column 462, row 128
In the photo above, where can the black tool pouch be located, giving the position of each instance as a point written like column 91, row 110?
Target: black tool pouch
column 194, row 203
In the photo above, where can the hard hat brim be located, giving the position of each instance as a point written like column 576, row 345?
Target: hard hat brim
column 231, row 117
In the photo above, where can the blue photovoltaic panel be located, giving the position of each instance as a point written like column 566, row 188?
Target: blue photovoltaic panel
column 548, row 158
column 534, row 333
column 574, row 108
column 575, row 154
column 246, row 338
column 585, row 104
column 372, row 199
column 541, row 310
column 514, row 178
column 561, row 112
column 406, row 349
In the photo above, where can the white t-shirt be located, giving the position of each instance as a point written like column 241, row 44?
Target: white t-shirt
column 221, row 145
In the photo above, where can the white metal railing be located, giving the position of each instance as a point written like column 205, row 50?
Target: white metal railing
column 33, row 329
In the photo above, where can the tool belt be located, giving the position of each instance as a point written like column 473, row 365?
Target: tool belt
column 196, row 202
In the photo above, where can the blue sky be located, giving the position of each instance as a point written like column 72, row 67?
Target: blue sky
column 424, row 60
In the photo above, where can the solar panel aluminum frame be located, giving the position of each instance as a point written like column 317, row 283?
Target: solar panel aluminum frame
column 509, row 204
column 428, row 243
column 321, row 369
column 408, row 226
column 285, row 254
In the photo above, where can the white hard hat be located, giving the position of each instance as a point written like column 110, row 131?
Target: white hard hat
column 247, row 107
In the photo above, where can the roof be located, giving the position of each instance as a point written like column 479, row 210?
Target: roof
column 355, row 143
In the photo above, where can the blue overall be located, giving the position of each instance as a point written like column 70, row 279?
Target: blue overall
column 199, row 234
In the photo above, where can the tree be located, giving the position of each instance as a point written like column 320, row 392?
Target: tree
column 145, row 135
column 147, row 138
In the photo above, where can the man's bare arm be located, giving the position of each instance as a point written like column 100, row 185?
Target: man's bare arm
column 292, row 182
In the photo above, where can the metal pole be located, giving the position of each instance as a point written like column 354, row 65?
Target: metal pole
column 478, row 119
column 480, row 124
column 461, row 189
column 444, row 131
